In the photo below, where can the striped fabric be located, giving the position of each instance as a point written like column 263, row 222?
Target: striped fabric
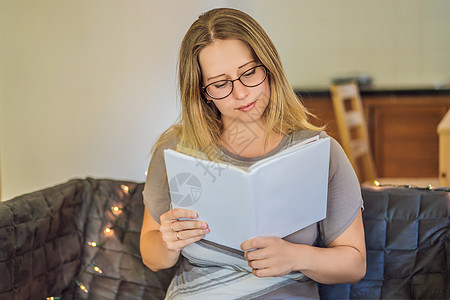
column 211, row 271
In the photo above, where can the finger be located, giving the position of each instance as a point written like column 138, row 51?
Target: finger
column 262, row 272
column 255, row 243
column 178, row 213
column 178, row 245
column 188, row 224
column 258, row 264
column 247, row 245
column 174, row 236
column 188, row 234
column 256, row 254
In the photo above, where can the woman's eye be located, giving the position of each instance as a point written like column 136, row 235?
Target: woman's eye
column 249, row 73
column 220, row 85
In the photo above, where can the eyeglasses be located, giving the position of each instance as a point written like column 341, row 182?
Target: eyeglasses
column 223, row 88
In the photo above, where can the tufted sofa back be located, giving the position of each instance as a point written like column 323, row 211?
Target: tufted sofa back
column 46, row 245
column 408, row 246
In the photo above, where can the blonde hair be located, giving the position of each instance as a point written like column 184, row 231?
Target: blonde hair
column 199, row 126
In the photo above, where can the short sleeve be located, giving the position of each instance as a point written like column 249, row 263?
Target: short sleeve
column 344, row 195
column 156, row 193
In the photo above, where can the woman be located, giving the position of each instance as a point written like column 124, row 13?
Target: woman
column 238, row 107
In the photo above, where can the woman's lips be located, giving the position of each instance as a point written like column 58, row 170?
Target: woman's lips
column 247, row 107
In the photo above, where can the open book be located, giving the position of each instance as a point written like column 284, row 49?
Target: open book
column 276, row 196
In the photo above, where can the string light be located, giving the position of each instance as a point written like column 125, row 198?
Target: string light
column 125, row 188
column 82, row 287
column 117, row 211
column 98, row 270
column 429, row 187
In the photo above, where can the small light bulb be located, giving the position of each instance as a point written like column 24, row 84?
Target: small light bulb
column 377, row 183
column 93, row 244
column 98, row 270
column 83, row 288
column 115, row 208
column 125, row 188
column 107, row 230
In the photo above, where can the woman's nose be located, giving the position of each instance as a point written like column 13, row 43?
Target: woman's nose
column 240, row 91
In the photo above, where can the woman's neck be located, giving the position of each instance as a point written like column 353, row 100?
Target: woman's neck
column 248, row 139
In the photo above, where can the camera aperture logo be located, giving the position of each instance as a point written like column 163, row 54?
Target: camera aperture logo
column 185, row 189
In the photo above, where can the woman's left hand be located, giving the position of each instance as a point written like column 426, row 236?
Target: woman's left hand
column 269, row 256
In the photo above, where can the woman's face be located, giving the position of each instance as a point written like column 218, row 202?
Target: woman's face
column 227, row 60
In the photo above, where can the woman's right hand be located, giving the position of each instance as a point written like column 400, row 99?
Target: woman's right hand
column 177, row 233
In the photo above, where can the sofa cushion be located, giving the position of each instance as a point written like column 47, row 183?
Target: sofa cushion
column 407, row 241
column 117, row 253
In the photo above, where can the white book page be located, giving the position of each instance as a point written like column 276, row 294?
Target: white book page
column 218, row 192
column 291, row 191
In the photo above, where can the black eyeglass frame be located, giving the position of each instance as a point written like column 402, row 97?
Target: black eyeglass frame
column 232, row 82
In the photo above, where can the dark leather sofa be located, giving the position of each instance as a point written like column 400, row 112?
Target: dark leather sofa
column 47, row 250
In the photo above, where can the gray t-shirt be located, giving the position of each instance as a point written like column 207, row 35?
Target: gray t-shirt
column 344, row 194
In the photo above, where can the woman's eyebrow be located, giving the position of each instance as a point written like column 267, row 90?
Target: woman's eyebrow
column 252, row 61
column 208, row 79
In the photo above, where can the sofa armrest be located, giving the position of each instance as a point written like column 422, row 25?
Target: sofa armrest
column 40, row 241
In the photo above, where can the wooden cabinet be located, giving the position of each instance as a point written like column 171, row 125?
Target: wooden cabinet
column 444, row 150
column 402, row 127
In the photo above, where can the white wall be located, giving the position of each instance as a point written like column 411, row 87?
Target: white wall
column 87, row 86
column 397, row 42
